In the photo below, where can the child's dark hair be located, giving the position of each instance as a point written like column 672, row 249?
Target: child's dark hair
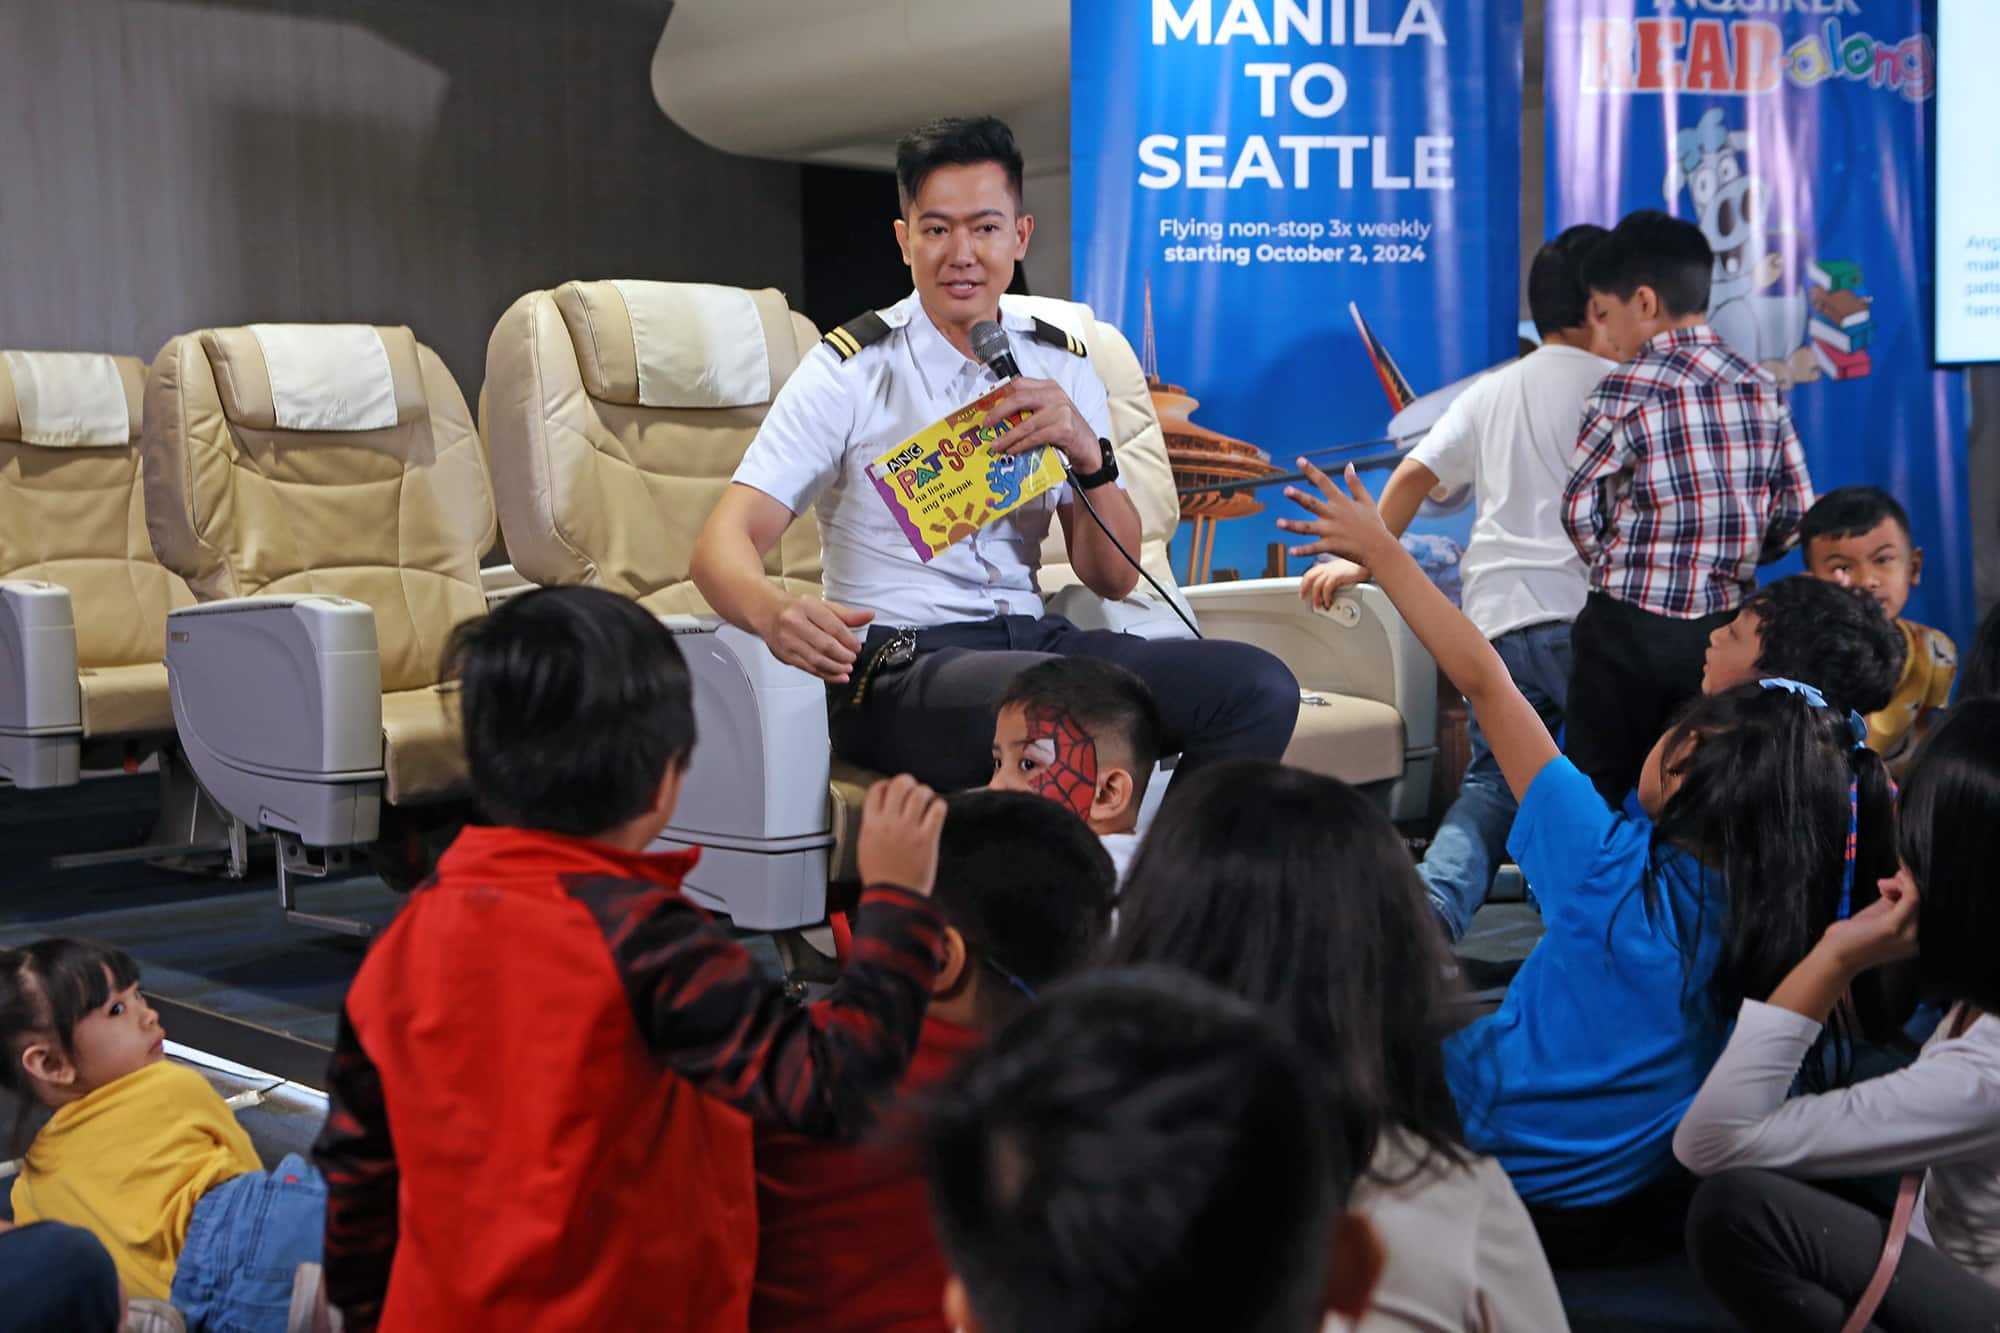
column 46, row 989
column 1652, row 249
column 1849, row 511
column 575, row 702
column 1029, row 887
column 1101, row 697
column 1837, row 639
column 1558, row 300
column 1979, row 673
column 1763, row 802
column 1294, row 891
column 1951, row 805
column 955, row 141
column 1122, row 1148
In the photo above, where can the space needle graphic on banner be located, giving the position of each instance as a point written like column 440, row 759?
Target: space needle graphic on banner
column 1308, row 211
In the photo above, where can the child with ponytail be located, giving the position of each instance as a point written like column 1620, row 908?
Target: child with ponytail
column 1757, row 815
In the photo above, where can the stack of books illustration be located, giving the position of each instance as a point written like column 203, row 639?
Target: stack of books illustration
column 1843, row 323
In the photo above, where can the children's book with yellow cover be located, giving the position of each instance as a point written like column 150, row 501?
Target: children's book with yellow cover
column 946, row 482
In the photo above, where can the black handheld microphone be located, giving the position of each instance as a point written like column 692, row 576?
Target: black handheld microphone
column 990, row 345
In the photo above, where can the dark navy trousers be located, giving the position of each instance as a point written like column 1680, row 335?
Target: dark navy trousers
column 933, row 717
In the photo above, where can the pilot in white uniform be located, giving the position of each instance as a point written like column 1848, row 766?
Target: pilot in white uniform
column 915, row 653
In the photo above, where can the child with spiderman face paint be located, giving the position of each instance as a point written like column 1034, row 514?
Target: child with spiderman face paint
column 1084, row 733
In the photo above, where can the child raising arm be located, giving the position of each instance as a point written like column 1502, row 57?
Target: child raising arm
column 1352, row 527
column 1758, row 822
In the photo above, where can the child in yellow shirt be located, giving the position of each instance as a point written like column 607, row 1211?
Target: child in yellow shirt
column 142, row 1153
column 1859, row 537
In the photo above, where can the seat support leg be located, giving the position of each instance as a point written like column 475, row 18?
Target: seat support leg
column 295, row 860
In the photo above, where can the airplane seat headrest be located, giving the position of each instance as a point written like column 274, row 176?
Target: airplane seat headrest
column 682, row 345
column 316, row 377
column 71, row 399
column 337, row 459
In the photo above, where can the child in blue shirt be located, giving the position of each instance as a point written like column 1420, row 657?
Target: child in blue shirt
column 1752, row 812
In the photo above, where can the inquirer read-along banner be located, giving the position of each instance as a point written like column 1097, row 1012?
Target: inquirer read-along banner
column 1248, row 176
column 1795, row 134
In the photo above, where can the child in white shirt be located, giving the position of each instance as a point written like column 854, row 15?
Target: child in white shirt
column 1783, row 1254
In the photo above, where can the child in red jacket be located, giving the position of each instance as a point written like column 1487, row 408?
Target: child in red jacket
column 546, row 1071
column 844, row 1233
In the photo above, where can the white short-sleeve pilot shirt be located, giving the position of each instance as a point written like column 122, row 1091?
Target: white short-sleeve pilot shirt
column 834, row 417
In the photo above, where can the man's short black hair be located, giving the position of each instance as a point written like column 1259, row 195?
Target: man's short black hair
column 956, row 141
column 1652, row 249
column 1104, row 699
column 1558, row 300
column 1026, row 883
column 1849, row 511
column 1138, row 1151
column 1838, row 640
column 575, row 702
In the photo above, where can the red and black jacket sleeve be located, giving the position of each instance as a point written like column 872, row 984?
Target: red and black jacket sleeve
column 709, row 1015
column 354, row 1154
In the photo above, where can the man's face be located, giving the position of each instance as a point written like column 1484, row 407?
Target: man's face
column 1045, row 753
column 961, row 238
column 1880, row 560
column 1626, row 323
column 1733, row 651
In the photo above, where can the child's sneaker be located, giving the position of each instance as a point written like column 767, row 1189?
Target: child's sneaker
column 144, row 1315
column 310, row 1313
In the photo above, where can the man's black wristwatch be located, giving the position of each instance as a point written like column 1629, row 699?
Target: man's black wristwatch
column 1105, row 474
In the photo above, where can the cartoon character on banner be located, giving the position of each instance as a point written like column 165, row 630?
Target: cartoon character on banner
column 1731, row 206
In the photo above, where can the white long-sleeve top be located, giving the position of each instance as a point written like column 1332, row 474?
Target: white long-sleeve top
column 1940, row 1115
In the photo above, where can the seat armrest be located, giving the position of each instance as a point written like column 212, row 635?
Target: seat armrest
column 1359, row 647
column 38, row 680
column 762, row 757
column 1140, row 612
column 278, row 702
column 500, row 582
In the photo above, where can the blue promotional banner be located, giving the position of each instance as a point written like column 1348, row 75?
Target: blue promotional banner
column 1306, row 212
column 1797, row 137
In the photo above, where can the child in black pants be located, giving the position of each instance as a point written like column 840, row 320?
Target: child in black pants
column 1688, row 476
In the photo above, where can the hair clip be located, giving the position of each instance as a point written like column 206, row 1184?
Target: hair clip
column 1859, row 726
column 1011, row 979
column 1807, row 692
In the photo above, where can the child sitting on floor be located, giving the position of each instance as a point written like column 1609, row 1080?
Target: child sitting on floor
column 1761, row 822
column 1025, row 891
column 1835, row 639
column 541, row 1074
column 142, row 1152
column 1781, row 1253
column 1084, row 732
column 1141, row 1151
column 1294, row 891
column 1859, row 537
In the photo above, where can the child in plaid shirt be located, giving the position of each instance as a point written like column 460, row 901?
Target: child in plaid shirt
column 1688, row 476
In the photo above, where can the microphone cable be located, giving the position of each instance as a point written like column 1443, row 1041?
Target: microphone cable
column 990, row 345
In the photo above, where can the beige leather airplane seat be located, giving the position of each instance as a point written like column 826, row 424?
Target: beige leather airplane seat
column 83, row 601
column 615, row 413
column 323, row 491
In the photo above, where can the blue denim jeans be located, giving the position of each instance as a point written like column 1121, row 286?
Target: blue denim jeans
column 244, row 1243
column 1471, row 843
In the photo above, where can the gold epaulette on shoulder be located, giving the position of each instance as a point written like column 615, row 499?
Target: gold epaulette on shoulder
column 856, row 334
column 1046, row 332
